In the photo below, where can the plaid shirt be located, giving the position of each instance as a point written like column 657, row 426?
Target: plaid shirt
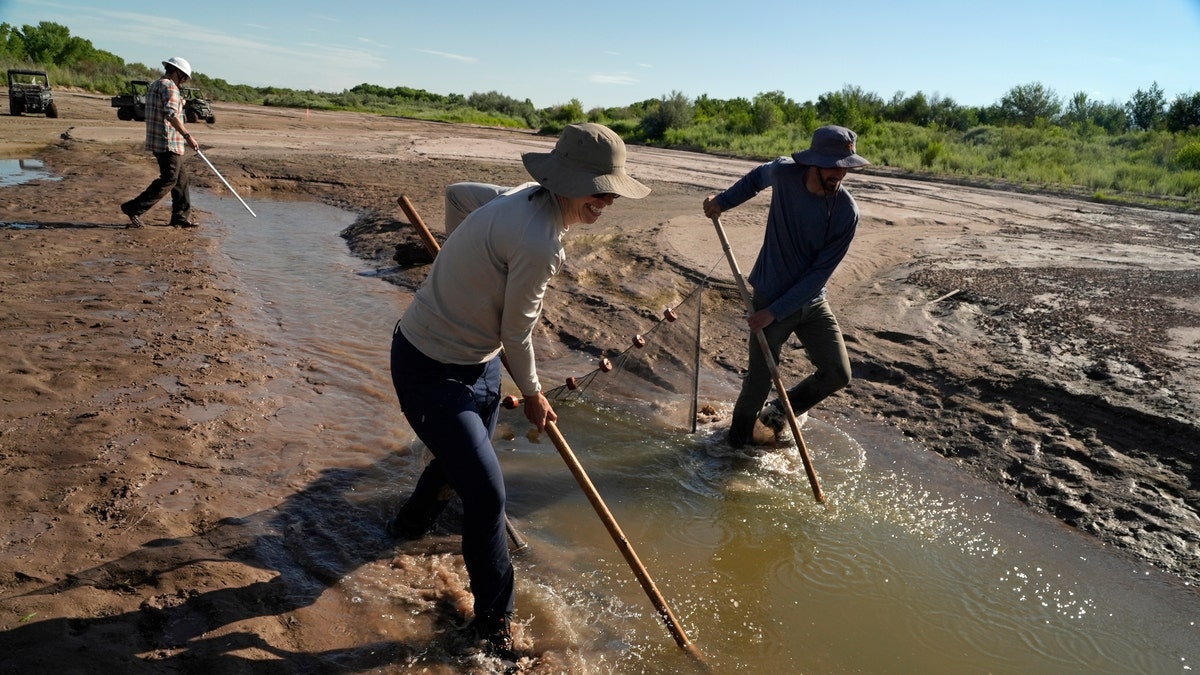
column 163, row 102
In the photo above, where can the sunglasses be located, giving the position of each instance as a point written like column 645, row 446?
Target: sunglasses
column 602, row 195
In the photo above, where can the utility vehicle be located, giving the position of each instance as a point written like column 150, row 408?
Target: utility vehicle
column 196, row 107
column 131, row 105
column 29, row 92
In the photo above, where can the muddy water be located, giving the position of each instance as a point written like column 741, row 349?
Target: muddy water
column 910, row 567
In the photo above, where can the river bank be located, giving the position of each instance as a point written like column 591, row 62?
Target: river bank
column 1046, row 345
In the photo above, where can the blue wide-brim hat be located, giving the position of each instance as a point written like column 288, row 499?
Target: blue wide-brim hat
column 832, row 148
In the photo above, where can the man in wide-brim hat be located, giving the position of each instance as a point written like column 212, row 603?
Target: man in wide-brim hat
column 482, row 298
column 810, row 224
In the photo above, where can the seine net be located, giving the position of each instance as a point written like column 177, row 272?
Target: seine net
column 656, row 376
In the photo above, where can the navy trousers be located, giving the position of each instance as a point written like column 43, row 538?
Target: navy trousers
column 454, row 409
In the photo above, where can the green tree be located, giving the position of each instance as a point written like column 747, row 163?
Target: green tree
column 1145, row 108
column 1027, row 103
column 566, row 113
column 738, row 114
column 673, row 112
column 1188, row 156
column 51, row 44
column 494, row 101
column 945, row 113
column 12, row 43
column 767, row 109
column 1184, row 113
column 1111, row 117
column 913, row 109
column 1079, row 110
column 851, row 107
column 705, row 108
column 1089, row 117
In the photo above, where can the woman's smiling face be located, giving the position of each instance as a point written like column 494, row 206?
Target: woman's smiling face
column 584, row 210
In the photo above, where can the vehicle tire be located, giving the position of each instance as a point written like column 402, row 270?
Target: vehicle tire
column 52, row 110
column 15, row 109
column 124, row 114
column 212, row 119
column 190, row 117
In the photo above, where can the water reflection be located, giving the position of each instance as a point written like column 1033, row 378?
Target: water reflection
column 911, row 567
column 18, row 171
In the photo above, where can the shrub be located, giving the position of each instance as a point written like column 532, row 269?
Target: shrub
column 671, row 113
column 1188, row 156
column 933, row 151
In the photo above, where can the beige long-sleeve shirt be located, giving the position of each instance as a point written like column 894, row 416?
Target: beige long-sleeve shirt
column 486, row 286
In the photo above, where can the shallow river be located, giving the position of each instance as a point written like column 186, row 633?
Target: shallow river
column 911, row 566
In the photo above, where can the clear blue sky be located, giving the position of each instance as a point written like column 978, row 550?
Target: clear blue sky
column 618, row 52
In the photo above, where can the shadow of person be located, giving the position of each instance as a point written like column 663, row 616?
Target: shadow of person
column 312, row 540
column 60, row 225
column 95, row 645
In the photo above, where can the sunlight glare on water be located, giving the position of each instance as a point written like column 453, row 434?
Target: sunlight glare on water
column 911, row 566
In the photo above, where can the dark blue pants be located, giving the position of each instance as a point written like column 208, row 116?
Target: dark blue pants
column 453, row 409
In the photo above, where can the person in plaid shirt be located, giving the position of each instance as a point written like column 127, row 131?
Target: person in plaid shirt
column 165, row 137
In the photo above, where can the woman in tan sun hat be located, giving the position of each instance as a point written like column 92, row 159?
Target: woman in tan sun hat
column 482, row 298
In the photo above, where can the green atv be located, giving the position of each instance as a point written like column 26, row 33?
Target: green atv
column 196, row 107
column 131, row 105
column 29, row 92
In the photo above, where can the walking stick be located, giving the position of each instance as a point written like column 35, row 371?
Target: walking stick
column 581, row 477
column 766, row 349
column 235, row 194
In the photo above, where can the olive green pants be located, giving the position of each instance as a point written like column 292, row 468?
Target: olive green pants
column 817, row 329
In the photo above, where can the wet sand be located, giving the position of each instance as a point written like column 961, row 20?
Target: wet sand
column 1045, row 344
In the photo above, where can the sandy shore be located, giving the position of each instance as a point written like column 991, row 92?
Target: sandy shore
column 1044, row 344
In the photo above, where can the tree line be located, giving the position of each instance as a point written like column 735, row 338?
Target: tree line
column 1145, row 145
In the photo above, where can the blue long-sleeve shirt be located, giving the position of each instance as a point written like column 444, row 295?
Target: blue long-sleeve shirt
column 806, row 236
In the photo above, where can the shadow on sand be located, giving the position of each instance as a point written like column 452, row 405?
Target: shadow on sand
column 313, row 539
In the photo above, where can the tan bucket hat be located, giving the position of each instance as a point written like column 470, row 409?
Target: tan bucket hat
column 588, row 159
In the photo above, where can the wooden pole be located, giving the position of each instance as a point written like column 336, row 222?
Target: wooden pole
column 695, row 407
column 423, row 232
column 766, row 349
column 626, row 548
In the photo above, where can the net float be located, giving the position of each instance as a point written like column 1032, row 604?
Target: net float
column 639, row 341
column 572, row 383
column 669, row 314
column 510, row 402
column 605, row 365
